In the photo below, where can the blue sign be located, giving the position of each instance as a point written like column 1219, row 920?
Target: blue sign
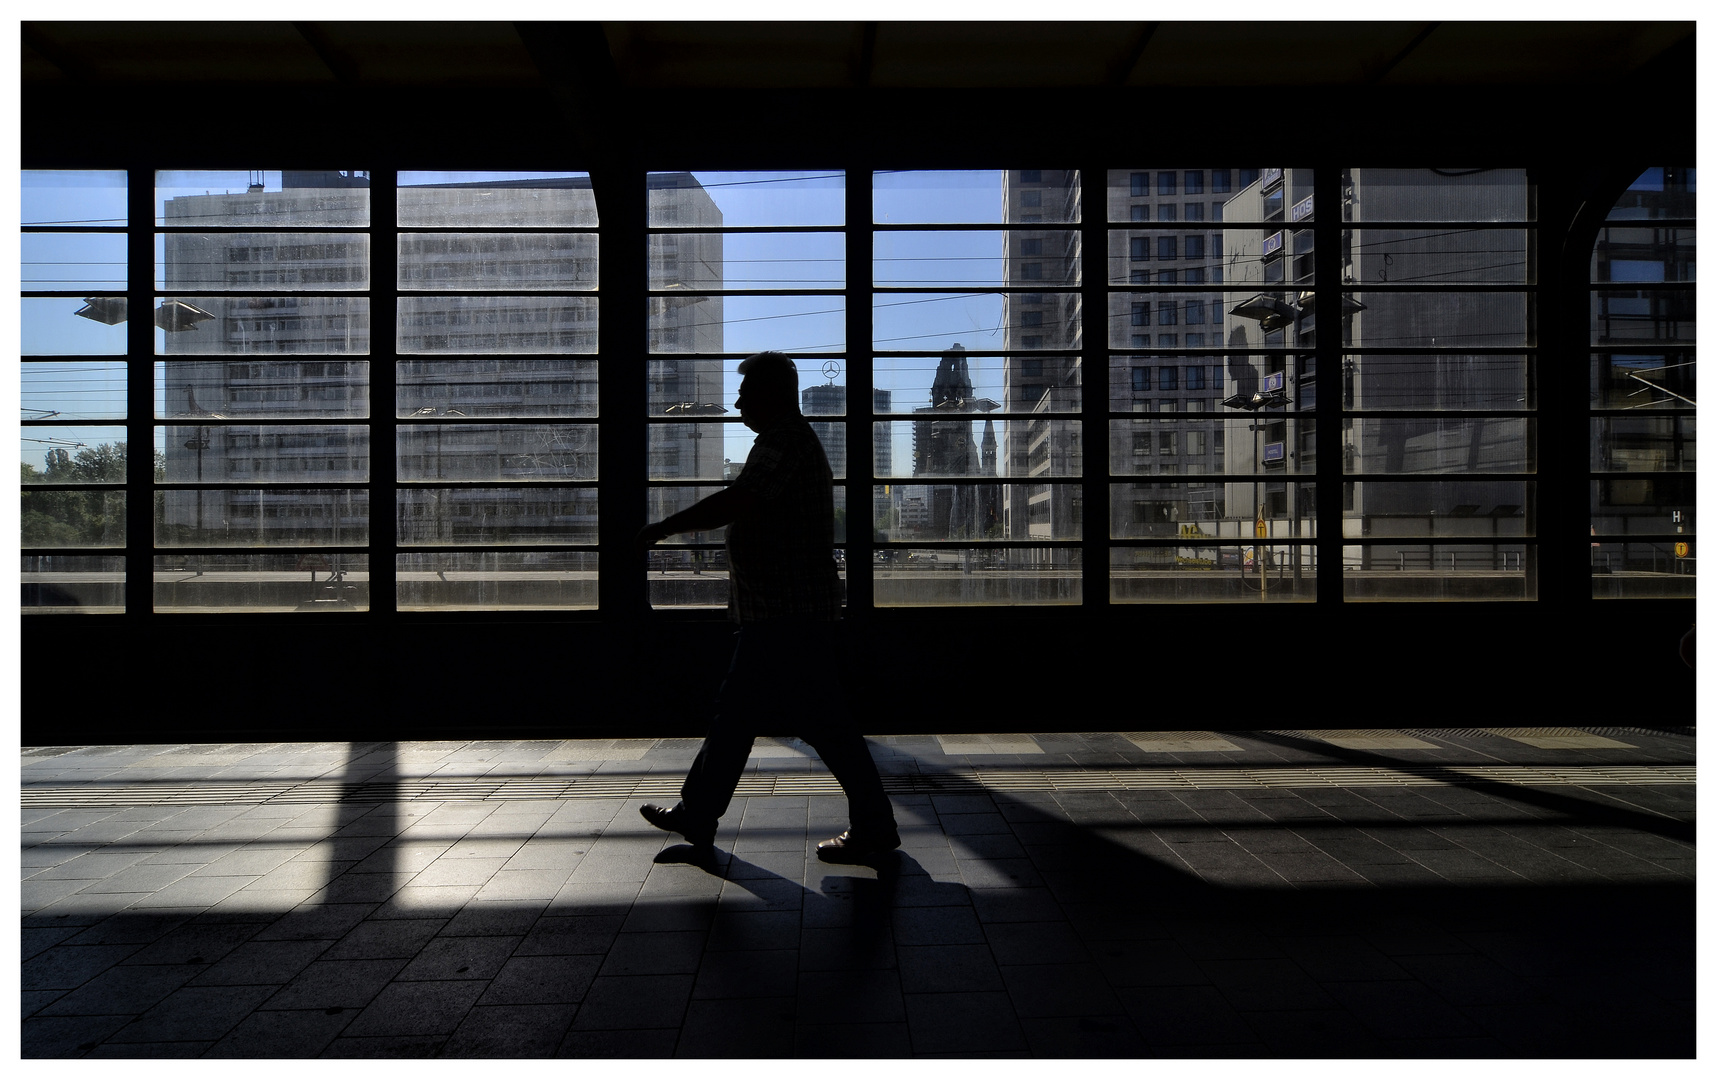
column 1273, row 453
column 1301, row 209
column 1274, row 381
column 1268, row 177
column 1272, row 244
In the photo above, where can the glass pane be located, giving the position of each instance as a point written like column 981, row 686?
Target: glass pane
column 496, row 580
column 705, row 388
column 1183, row 446
column 262, row 199
column 1139, row 194
column 61, row 584
column 72, row 519
column 948, row 576
column 1461, row 508
column 1641, row 315
column 271, row 324
column 72, row 197
column 976, row 259
column 72, row 455
column 746, row 199
column 1658, row 193
column 1628, row 256
column 914, row 513
column 254, row 389
column 1642, row 444
column 1199, row 257
column 1400, row 572
column 497, row 387
column 1643, row 570
column 948, row 446
column 495, row 452
column 698, row 451
column 498, row 261
column 1643, row 504
column 1664, row 380
column 260, row 517
column 1437, row 195
column 666, row 501
column 78, row 390
column 500, row 516
column 549, row 199
column 298, row 454
column 262, row 262
column 1427, row 319
column 1206, row 510
column 497, row 324
column 1207, row 573
column 82, row 261
column 64, row 326
column 1448, row 382
column 1442, row 256
column 976, row 197
column 976, row 383
column 747, row 324
column 1449, row 445
column 746, row 261
column 1187, row 320
column 977, row 322
column 307, row 581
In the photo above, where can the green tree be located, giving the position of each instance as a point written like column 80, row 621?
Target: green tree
column 70, row 518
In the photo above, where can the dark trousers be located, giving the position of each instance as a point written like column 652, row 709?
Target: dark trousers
column 782, row 681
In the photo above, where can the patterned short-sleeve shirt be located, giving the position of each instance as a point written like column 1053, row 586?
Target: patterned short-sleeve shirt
column 781, row 559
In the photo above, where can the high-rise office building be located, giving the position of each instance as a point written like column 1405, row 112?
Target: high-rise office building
column 266, row 380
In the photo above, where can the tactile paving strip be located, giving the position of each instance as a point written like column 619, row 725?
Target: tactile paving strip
column 974, row 780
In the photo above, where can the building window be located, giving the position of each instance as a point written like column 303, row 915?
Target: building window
column 1195, row 247
column 1194, row 376
column 1168, row 378
column 1165, row 183
column 1219, row 180
column 1195, row 312
column 1195, row 181
column 1165, row 211
column 1139, row 248
column 1141, row 380
column 1168, row 277
column 1031, row 198
column 1194, row 211
column 1195, row 275
column 1166, row 247
column 1166, row 314
column 1031, row 247
column 1216, row 211
column 1138, row 277
column 1142, row 314
column 1141, row 185
column 1031, row 176
column 1141, row 212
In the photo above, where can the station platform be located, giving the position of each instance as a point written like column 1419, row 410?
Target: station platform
column 1505, row 892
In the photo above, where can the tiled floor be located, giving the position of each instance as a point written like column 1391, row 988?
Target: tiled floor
column 1191, row 894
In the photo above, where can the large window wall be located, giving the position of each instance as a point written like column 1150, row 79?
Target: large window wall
column 1224, row 471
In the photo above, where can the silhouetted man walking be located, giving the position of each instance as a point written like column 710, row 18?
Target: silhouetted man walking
column 785, row 594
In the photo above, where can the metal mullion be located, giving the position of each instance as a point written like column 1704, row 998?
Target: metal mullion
column 384, row 376
column 140, row 397
column 1327, row 288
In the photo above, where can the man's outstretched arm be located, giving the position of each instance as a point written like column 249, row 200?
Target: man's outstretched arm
column 723, row 508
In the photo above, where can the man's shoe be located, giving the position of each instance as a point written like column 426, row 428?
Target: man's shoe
column 674, row 820
column 851, row 847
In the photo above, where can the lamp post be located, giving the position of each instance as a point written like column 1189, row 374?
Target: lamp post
column 1273, row 398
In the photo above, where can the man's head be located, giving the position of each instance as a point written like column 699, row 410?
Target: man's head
column 768, row 389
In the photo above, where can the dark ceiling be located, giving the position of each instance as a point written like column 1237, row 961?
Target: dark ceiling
column 847, row 55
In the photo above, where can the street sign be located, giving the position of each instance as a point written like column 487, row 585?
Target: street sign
column 1274, row 381
column 1681, row 549
column 1258, row 527
column 1274, row 452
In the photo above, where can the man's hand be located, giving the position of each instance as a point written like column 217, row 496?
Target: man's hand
column 651, row 535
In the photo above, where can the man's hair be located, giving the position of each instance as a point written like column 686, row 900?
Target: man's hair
column 772, row 375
